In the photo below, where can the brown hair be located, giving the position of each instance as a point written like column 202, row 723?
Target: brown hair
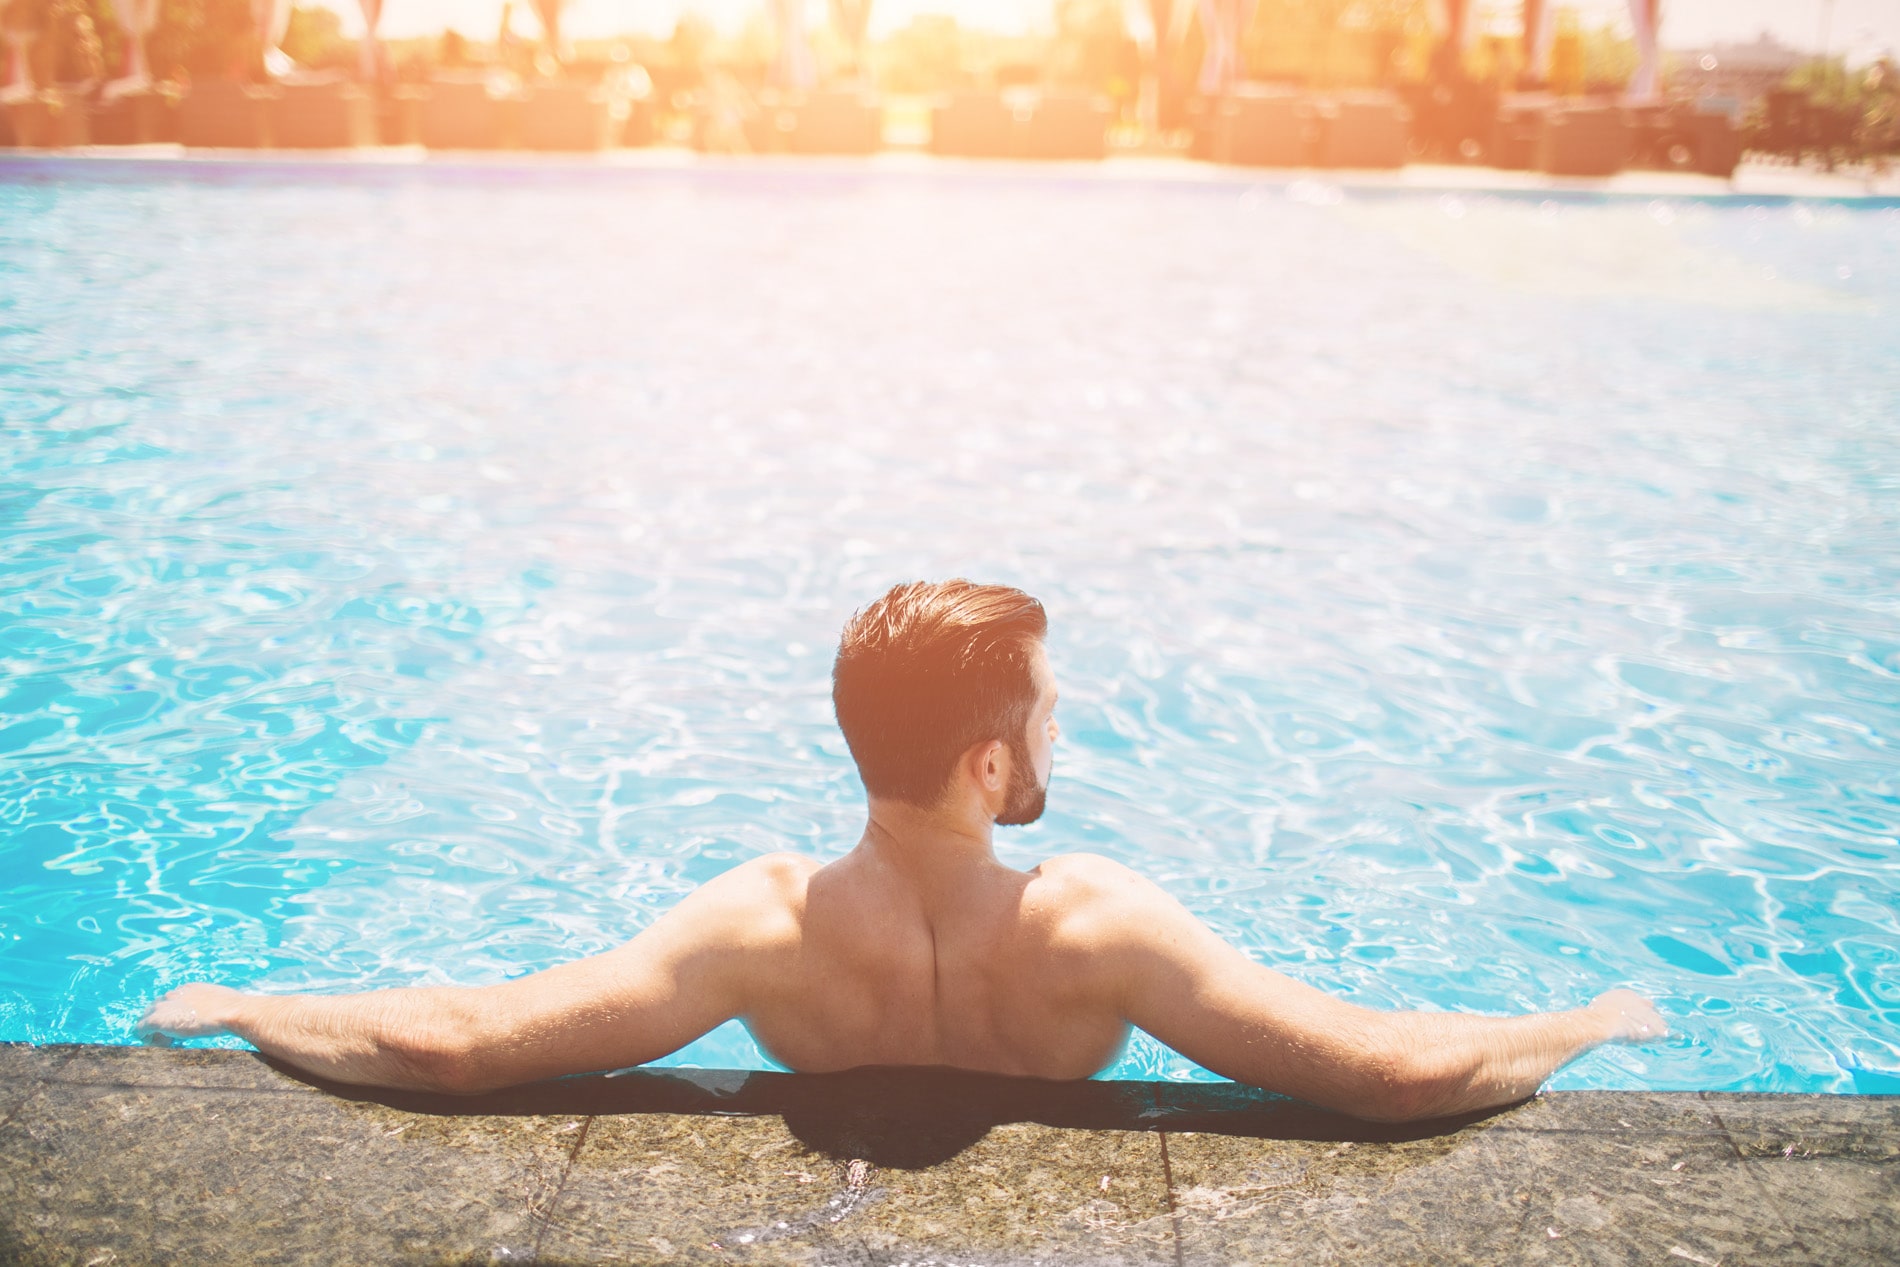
column 927, row 670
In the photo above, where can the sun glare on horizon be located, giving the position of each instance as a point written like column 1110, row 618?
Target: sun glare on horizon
column 1873, row 24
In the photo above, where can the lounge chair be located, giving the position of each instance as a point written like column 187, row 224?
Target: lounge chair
column 134, row 118
column 1257, row 126
column 1065, row 126
column 566, row 117
column 1583, row 141
column 1367, row 129
column 220, row 114
column 463, row 114
column 836, row 123
column 973, row 125
column 333, row 114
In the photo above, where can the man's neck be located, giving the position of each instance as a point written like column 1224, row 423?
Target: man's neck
column 929, row 845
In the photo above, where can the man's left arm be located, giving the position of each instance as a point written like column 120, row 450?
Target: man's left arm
column 687, row 973
column 1174, row 978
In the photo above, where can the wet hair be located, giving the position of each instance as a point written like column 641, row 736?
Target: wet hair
column 928, row 670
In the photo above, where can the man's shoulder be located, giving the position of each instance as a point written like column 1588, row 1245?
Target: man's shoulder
column 1088, row 896
column 781, row 876
column 784, row 867
column 758, row 888
column 1091, row 875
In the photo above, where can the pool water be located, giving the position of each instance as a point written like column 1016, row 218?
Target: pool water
column 429, row 574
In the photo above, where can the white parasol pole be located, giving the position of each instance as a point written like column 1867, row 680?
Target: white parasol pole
column 369, row 48
column 19, row 85
column 1644, row 88
column 1538, row 40
column 795, row 69
column 1222, row 22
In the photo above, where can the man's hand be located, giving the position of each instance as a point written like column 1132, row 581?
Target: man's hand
column 1631, row 1018
column 190, row 1011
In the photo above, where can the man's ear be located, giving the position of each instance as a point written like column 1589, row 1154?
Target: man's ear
column 988, row 764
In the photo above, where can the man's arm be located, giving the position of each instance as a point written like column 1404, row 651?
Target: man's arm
column 693, row 969
column 1180, row 982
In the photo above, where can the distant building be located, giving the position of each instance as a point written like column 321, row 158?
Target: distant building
column 1732, row 77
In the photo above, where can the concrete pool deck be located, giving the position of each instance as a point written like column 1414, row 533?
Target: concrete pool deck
column 126, row 1155
column 1752, row 182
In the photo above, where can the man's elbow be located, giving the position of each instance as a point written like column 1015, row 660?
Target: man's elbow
column 1403, row 1082
column 444, row 1056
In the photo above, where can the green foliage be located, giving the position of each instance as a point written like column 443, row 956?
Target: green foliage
column 78, row 42
column 1864, row 105
column 924, row 56
column 1828, row 82
column 1340, row 15
column 1609, row 59
column 1328, row 42
column 205, row 39
column 688, row 44
column 1093, row 49
column 315, row 38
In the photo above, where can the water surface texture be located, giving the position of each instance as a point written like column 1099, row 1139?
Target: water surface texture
column 1459, row 602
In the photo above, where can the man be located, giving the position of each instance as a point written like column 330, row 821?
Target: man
column 919, row 947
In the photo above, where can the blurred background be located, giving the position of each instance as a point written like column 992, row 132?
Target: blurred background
column 1362, row 83
column 1473, row 586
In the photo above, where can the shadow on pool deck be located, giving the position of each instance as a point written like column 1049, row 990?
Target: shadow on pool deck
column 912, row 1119
column 127, row 1155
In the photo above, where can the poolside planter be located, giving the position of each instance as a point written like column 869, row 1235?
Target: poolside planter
column 461, row 114
column 1365, row 130
column 641, row 127
column 1255, row 127
column 1516, row 130
column 1065, row 127
column 836, row 123
column 573, row 117
column 50, row 120
column 1583, row 141
column 973, row 125
column 1047, row 126
column 1717, row 145
column 765, row 131
column 399, row 116
column 136, row 118
column 224, row 115
column 325, row 117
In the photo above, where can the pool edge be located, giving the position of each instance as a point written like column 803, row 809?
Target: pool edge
column 132, row 1155
column 1768, row 185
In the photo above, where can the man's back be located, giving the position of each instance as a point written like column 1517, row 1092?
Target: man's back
column 871, row 967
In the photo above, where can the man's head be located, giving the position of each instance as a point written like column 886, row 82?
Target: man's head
column 932, row 670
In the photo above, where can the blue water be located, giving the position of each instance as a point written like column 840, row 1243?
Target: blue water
column 1460, row 602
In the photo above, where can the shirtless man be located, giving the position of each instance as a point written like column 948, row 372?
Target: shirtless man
column 919, row 947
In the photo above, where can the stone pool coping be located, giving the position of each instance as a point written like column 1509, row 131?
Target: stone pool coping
column 126, row 1155
column 1770, row 183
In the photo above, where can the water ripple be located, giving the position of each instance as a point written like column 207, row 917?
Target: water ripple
column 419, row 580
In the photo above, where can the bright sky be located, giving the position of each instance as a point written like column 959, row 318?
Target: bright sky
column 1860, row 28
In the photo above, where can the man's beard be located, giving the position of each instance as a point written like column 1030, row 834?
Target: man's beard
column 1026, row 798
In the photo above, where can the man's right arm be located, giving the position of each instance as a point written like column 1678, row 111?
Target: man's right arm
column 1173, row 977
column 692, row 969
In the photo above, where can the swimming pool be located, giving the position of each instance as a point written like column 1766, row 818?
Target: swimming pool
column 428, row 574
